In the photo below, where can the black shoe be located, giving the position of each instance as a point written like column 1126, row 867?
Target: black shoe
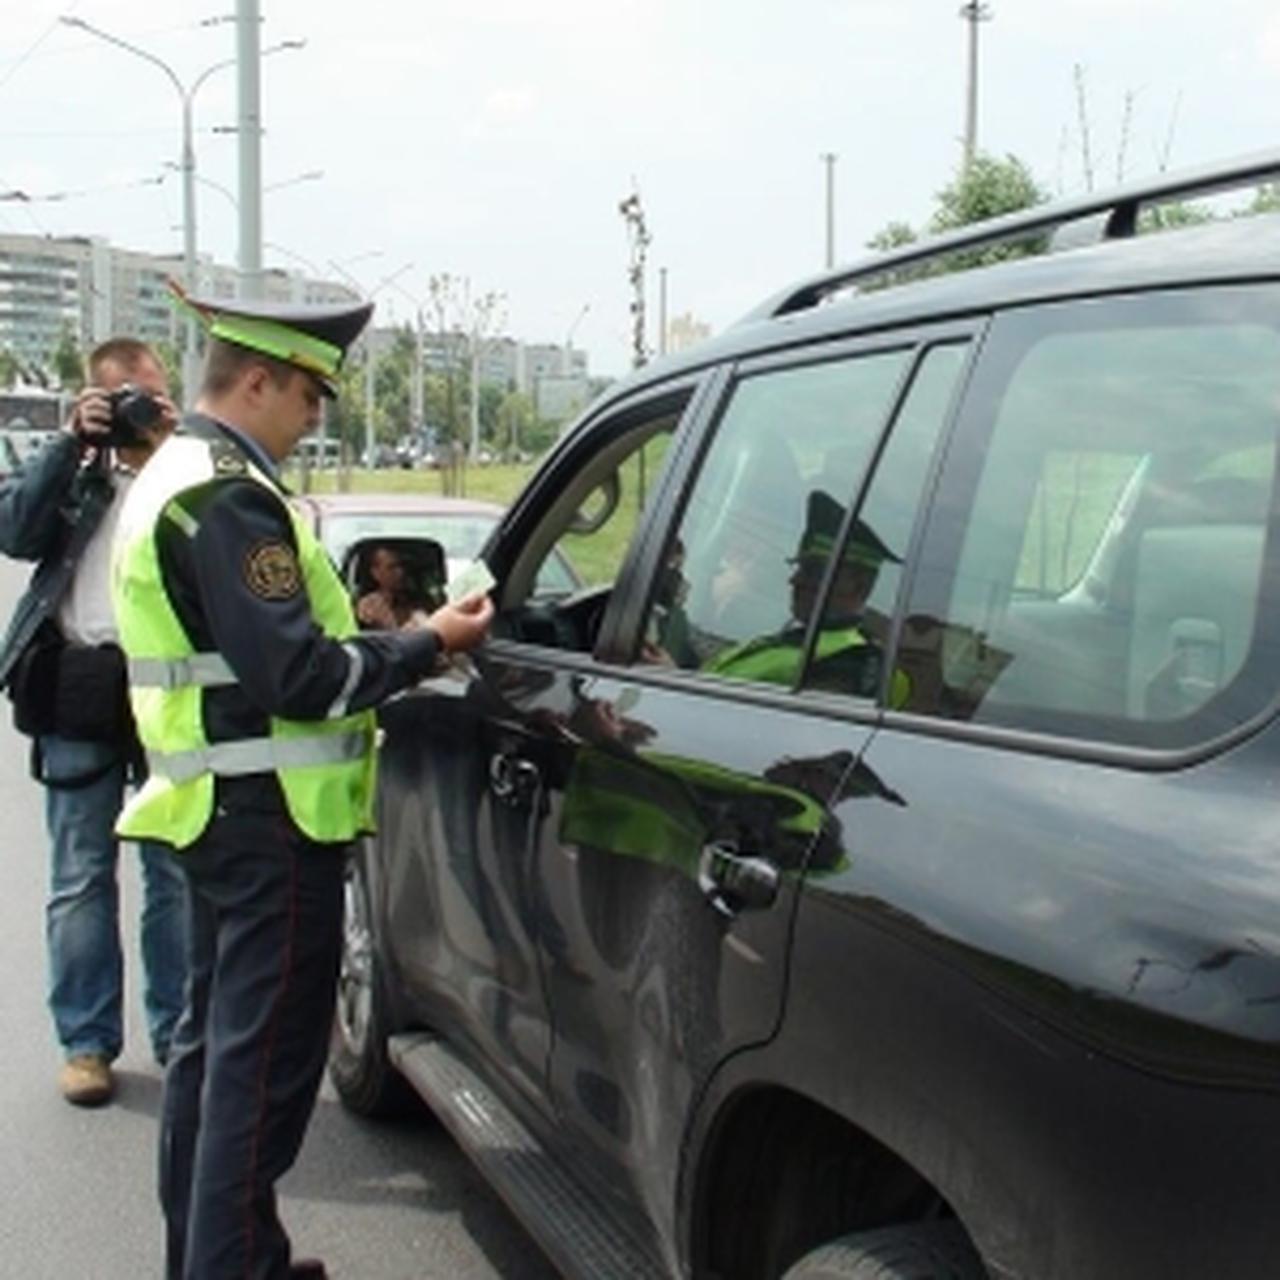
column 308, row 1269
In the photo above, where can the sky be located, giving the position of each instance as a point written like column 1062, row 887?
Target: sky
column 494, row 139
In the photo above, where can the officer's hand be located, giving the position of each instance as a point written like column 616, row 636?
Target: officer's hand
column 463, row 625
column 90, row 416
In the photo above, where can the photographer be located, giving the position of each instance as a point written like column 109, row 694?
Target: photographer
column 65, row 673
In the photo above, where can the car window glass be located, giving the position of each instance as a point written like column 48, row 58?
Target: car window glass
column 790, row 449
column 853, row 636
column 1110, row 563
column 596, row 540
column 559, row 586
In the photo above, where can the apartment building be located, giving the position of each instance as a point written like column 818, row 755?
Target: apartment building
column 93, row 289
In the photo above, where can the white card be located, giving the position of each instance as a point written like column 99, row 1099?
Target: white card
column 475, row 577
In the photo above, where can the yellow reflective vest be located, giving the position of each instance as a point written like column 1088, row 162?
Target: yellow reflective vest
column 325, row 767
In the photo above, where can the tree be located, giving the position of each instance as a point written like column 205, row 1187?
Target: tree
column 10, row 368
column 1168, row 217
column 1266, row 199
column 984, row 188
column 68, row 365
column 892, row 235
column 171, row 360
column 988, row 188
column 515, row 423
column 393, row 387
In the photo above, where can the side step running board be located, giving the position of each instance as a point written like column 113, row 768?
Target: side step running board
column 579, row 1232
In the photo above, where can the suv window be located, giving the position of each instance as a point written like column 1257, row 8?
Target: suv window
column 584, row 535
column 790, row 449
column 854, row 633
column 1108, row 500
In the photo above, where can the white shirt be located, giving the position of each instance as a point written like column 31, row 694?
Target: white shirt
column 85, row 614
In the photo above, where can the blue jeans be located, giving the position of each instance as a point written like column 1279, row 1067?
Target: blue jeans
column 82, row 917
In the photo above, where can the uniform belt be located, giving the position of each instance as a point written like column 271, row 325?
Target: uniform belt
column 195, row 670
column 257, row 755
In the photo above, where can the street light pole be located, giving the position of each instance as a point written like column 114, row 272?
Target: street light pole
column 186, row 95
column 249, row 140
column 828, row 158
column 386, row 280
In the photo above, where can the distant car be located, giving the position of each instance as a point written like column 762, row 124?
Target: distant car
column 460, row 525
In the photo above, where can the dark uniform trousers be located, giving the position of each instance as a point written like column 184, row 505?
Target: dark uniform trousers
column 266, row 920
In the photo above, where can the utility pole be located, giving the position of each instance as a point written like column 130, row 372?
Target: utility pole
column 973, row 12
column 1082, row 111
column 249, row 138
column 662, row 311
column 828, row 158
column 638, row 238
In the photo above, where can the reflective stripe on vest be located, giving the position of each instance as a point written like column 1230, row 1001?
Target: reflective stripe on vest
column 256, row 755
column 196, row 670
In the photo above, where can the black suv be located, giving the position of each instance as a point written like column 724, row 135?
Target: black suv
column 875, row 870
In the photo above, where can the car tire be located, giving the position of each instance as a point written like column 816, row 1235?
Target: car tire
column 920, row 1251
column 359, row 1066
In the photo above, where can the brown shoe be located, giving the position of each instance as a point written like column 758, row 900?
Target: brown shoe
column 86, row 1080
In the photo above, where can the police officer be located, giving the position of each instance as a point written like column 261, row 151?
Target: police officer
column 845, row 658
column 252, row 692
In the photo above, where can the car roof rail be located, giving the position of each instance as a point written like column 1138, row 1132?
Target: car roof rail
column 1115, row 214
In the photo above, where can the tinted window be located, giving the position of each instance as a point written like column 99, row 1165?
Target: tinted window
column 854, row 634
column 1108, row 498
column 741, row 575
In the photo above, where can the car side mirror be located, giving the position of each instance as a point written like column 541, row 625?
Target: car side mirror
column 412, row 570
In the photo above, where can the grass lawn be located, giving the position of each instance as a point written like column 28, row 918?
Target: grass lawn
column 499, row 483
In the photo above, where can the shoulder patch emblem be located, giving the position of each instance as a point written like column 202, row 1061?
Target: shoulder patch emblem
column 271, row 571
column 227, row 459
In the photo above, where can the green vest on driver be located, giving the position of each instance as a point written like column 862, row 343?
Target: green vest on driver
column 325, row 767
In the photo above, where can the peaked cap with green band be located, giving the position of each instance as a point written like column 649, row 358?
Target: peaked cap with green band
column 313, row 338
column 823, row 519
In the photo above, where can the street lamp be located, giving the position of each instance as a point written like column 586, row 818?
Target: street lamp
column 186, row 95
column 389, row 279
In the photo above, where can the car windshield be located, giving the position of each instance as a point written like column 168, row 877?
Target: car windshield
column 462, row 536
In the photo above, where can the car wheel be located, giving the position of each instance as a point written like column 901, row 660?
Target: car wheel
column 921, row 1251
column 359, row 1067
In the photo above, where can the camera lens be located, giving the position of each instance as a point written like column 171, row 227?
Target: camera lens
column 139, row 409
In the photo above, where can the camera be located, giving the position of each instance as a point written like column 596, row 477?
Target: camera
column 132, row 411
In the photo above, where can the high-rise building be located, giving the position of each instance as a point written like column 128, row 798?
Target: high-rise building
column 88, row 287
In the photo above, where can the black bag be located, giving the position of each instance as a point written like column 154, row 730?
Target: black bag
column 74, row 691
column 91, row 700
column 33, row 683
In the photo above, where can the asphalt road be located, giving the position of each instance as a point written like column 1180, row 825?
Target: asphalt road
column 77, row 1187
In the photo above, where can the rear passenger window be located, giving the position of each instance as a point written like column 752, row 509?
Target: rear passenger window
column 1094, row 564
column 742, row 573
column 853, row 636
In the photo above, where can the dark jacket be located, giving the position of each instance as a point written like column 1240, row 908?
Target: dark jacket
column 49, row 510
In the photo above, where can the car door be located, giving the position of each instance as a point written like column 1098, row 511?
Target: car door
column 678, row 800
column 466, row 756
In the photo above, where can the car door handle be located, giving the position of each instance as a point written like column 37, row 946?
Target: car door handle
column 512, row 779
column 734, row 881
